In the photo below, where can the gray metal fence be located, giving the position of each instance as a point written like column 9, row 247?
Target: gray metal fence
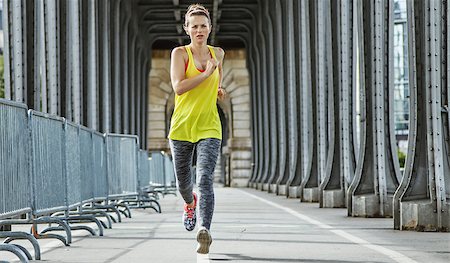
column 48, row 163
column 73, row 164
column 157, row 169
column 144, row 169
column 50, row 166
column 87, row 186
column 122, row 164
column 99, row 167
column 15, row 183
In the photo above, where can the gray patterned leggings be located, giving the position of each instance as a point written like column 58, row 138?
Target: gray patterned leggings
column 207, row 153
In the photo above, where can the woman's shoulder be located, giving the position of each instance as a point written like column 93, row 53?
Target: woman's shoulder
column 219, row 52
column 180, row 51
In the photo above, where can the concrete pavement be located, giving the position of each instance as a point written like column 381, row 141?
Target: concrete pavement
column 252, row 226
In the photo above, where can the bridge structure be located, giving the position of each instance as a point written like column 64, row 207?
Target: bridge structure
column 311, row 112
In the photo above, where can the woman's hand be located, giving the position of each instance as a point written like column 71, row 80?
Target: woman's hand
column 221, row 94
column 211, row 65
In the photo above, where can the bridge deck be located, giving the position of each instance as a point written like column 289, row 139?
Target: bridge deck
column 253, row 226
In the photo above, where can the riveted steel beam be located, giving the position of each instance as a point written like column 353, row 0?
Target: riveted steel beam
column 422, row 201
column 275, row 8
column 293, row 95
column 287, row 87
column 340, row 160
column 131, row 80
column 296, row 177
column 263, row 103
column 377, row 172
column 19, row 51
column 271, row 95
column 125, row 50
column 91, row 103
column 105, row 64
column 74, row 94
column 310, row 181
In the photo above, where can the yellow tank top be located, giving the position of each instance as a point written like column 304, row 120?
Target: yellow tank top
column 195, row 116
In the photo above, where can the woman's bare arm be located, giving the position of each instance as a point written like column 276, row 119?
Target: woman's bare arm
column 180, row 83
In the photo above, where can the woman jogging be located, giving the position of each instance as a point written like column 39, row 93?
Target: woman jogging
column 196, row 75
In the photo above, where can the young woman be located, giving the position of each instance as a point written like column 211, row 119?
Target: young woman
column 196, row 75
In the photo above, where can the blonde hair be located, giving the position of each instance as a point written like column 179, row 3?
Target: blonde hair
column 196, row 10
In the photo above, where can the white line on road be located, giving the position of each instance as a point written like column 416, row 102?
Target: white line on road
column 398, row 257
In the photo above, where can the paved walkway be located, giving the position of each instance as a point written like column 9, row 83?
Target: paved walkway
column 253, row 226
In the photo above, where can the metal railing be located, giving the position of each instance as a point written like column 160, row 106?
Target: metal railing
column 57, row 172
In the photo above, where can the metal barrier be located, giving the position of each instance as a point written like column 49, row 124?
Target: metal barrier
column 52, row 168
column 99, row 167
column 74, row 169
column 147, row 197
column 15, row 181
column 162, row 175
column 144, row 169
column 48, row 163
column 86, row 146
column 122, row 164
column 169, row 175
column 48, row 171
column 157, row 169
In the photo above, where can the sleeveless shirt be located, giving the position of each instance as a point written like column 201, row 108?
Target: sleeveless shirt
column 195, row 116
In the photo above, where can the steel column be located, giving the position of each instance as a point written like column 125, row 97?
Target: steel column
column 139, row 95
column 105, row 65
column 125, row 36
column 18, row 18
column 73, row 63
column 377, row 172
column 271, row 96
column 421, row 202
column 51, row 10
column 264, row 101
column 310, row 181
column 340, row 161
column 293, row 134
column 295, row 181
column 14, row 73
column 92, row 65
column 279, row 62
column 116, row 19
column 131, row 81
column 258, row 115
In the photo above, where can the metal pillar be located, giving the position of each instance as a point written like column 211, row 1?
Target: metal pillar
column 280, row 86
column 116, row 18
column 268, row 25
column 340, row 161
column 258, row 115
column 377, row 172
column 292, row 88
column 422, row 200
column 299, row 88
column 317, row 146
column 290, row 102
column 139, row 94
column 92, row 66
column 131, row 81
column 125, row 38
column 292, row 113
column 266, row 132
column 13, row 39
column 73, row 63
column 263, row 125
column 105, row 65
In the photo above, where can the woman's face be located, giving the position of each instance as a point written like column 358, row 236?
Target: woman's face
column 198, row 28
